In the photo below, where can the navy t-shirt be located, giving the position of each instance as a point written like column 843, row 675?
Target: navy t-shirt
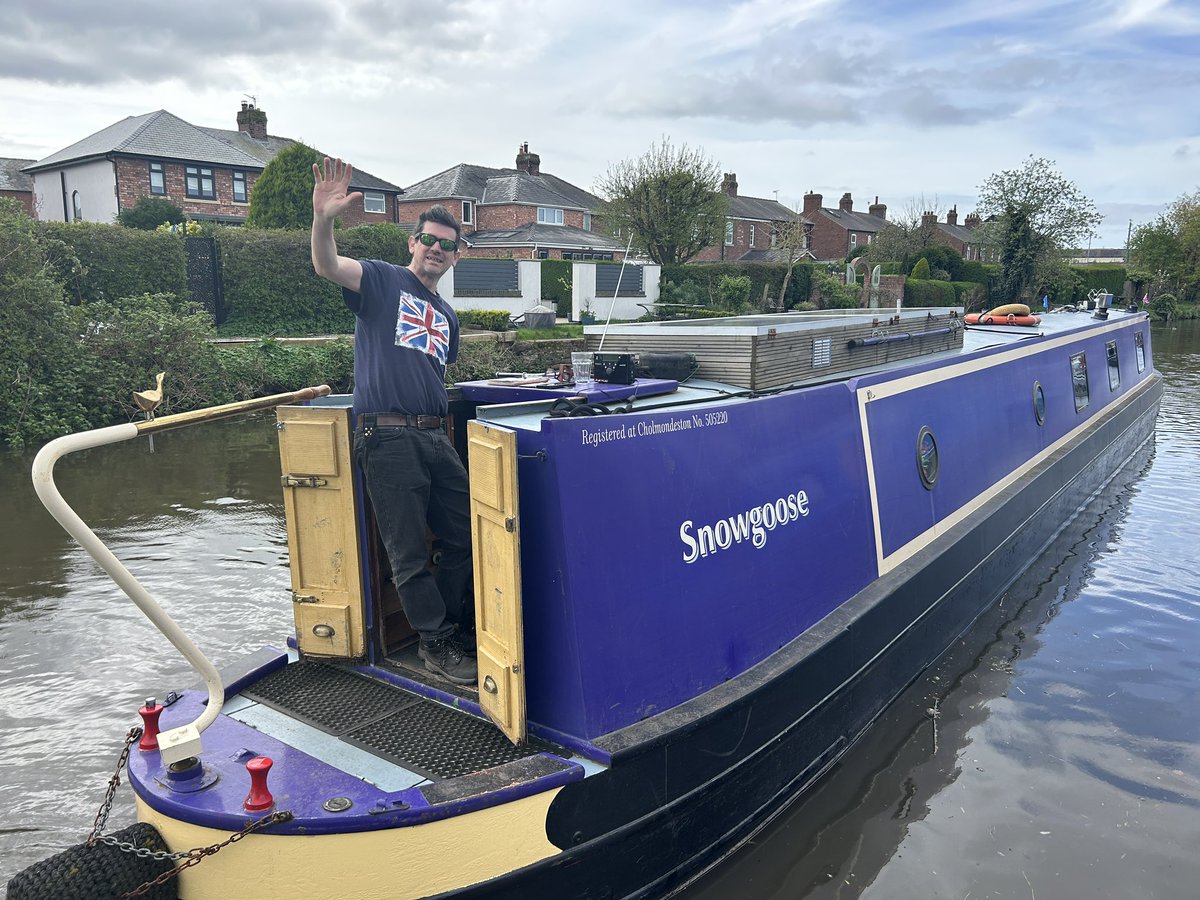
column 404, row 335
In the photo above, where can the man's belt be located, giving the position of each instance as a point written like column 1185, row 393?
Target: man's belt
column 395, row 420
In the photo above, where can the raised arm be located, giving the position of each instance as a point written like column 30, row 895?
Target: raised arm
column 330, row 200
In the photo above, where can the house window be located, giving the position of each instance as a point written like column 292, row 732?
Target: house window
column 853, row 240
column 587, row 221
column 78, row 208
column 158, row 180
column 808, row 230
column 466, row 216
column 1079, row 381
column 752, row 235
column 549, row 215
column 200, row 183
column 239, row 187
column 374, row 202
column 870, row 237
column 545, row 254
column 729, row 234
column 1114, row 366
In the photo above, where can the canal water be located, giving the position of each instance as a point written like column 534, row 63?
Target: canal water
column 1053, row 753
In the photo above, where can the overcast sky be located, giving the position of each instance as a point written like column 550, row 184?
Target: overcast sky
column 900, row 99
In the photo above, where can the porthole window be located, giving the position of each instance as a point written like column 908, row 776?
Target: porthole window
column 927, row 458
column 1039, row 403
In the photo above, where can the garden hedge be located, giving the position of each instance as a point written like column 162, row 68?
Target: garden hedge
column 270, row 285
column 708, row 277
column 120, row 262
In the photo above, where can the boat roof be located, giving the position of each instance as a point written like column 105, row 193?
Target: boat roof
column 529, row 415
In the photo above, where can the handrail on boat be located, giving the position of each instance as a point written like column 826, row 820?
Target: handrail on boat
column 184, row 741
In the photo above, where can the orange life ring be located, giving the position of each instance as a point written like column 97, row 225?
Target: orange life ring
column 989, row 319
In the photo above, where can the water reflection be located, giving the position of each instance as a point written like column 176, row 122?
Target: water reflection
column 200, row 524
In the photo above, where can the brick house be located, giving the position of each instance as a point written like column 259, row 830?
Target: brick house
column 518, row 213
column 15, row 184
column 752, row 227
column 209, row 173
column 836, row 233
column 957, row 236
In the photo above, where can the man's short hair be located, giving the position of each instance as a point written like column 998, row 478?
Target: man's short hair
column 441, row 216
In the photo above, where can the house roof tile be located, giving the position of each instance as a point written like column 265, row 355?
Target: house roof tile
column 11, row 176
column 544, row 236
column 762, row 209
column 487, row 185
column 958, row 232
column 163, row 135
column 855, row 221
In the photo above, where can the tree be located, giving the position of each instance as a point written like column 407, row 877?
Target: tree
column 1166, row 252
column 282, row 195
column 1038, row 216
column 150, row 212
column 793, row 239
column 907, row 234
column 670, row 197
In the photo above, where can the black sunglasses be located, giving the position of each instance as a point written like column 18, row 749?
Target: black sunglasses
column 429, row 240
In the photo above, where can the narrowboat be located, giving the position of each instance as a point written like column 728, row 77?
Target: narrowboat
column 697, row 584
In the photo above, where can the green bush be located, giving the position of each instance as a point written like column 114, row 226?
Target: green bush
column 270, row 285
column 921, row 271
column 150, row 212
column 282, row 195
column 1103, row 276
column 687, row 293
column 271, row 367
column 1164, row 307
column 830, row 293
column 486, row 319
column 557, row 275
column 707, row 277
column 733, row 292
column 924, row 292
column 969, row 294
column 119, row 262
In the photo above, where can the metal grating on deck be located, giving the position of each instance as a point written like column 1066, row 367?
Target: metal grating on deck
column 425, row 737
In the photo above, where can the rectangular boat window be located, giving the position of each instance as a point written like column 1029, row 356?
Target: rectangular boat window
column 822, row 352
column 1139, row 344
column 1079, row 381
column 1114, row 368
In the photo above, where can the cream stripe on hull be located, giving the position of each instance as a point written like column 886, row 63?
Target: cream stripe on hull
column 392, row 863
column 867, row 395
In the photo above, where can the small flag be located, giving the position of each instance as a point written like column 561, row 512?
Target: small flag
column 1046, row 302
column 1145, row 300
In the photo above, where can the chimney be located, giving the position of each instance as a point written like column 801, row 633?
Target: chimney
column 846, row 204
column 527, row 162
column 252, row 121
column 928, row 219
column 877, row 209
column 952, row 216
column 972, row 220
column 729, row 184
column 812, row 202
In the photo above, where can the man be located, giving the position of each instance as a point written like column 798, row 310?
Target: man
column 404, row 336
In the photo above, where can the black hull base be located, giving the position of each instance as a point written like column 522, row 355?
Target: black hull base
column 690, row 786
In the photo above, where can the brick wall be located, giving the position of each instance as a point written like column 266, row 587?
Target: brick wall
column 24, row 197
column 133, row 183
column 359, row 216
column 741, row 242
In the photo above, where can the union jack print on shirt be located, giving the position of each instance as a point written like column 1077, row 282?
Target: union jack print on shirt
column 420, row 326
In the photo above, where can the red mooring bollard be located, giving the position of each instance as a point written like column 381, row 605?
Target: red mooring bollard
column 259, row 797
column 150, row 713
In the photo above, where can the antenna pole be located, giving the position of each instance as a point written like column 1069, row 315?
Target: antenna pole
column 620, row 275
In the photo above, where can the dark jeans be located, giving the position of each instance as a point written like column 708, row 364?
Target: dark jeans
column 414, row 477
